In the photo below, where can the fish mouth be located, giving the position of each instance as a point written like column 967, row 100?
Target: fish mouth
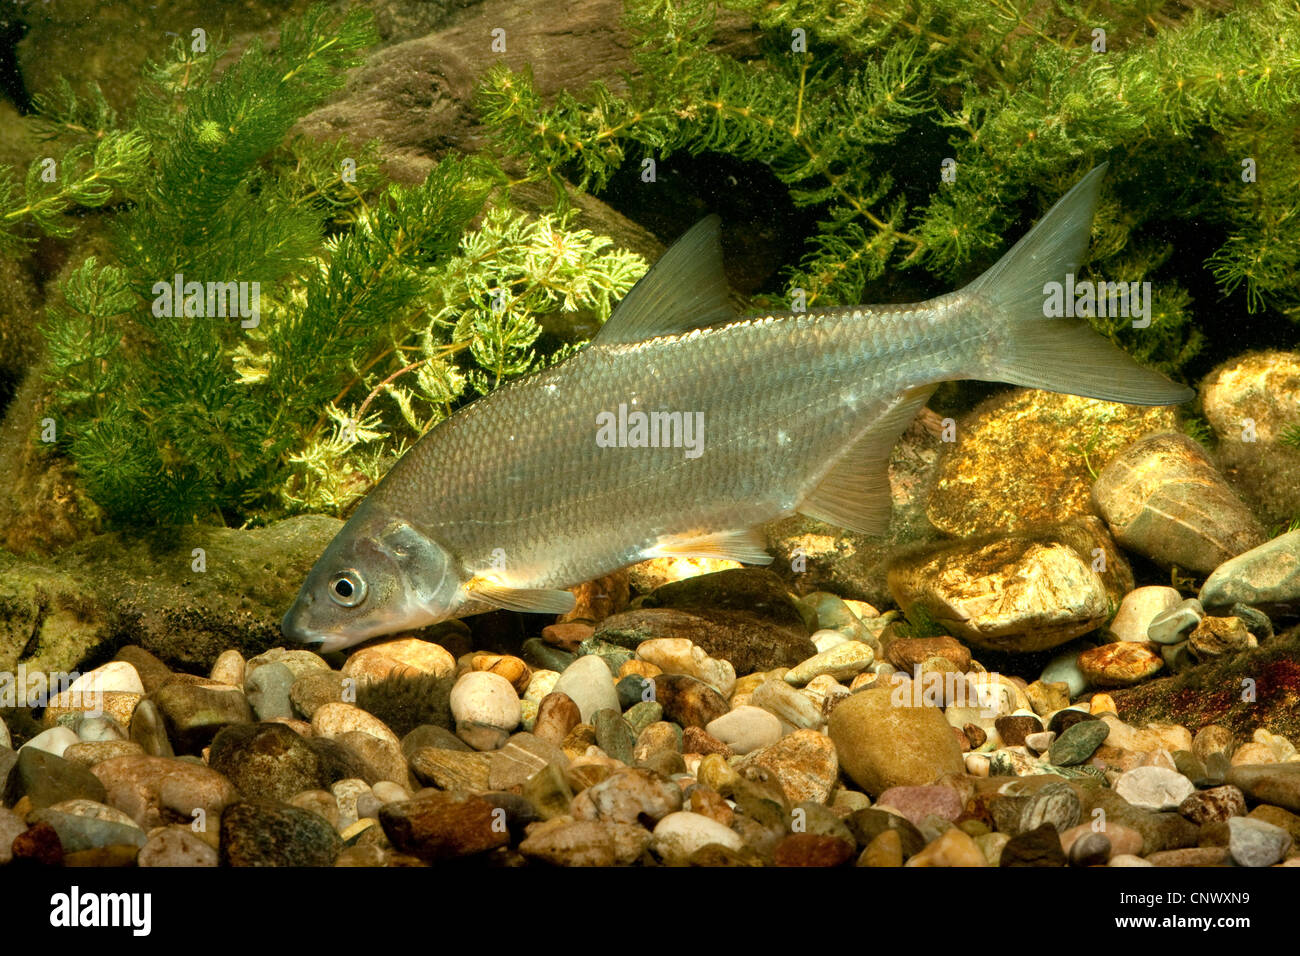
column 308, row 638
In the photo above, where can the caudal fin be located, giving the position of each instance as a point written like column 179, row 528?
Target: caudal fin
column 1060, row 354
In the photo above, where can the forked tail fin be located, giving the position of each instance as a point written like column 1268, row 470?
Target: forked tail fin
column 1060, row 354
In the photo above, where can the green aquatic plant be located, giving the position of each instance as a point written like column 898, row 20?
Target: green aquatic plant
column 271, row 324
column 1018, row 98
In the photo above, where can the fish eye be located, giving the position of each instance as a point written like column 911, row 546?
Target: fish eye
column 347, row 588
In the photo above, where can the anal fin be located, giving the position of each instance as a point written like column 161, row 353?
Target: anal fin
column 746, row 546
column 855, row 493
column 533, row 600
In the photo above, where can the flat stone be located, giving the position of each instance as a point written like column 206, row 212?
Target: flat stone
column 917, row 803
column 746, row 729
column 452, row 769
column 45, row 780
column 158, row 790
column 1256, row 843
column 629, row 796
column 567, row 842
column 1154, row 788
column 439, row 826
column 194, row 713
column 523, row 755
column 804, row 763
column 1263, row 576
column 1120, row 664
column 177, row 846
column 1078, row 742
column 1172, row 626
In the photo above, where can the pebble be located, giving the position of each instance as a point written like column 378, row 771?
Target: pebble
column 1214, row 805
column 1045, row 697
column 1056, row 804
column 321, row 803
column 842, row 662
column 1040, row 846
column 804, row 763
column 909, row 653
column 917, row 803
column 443, row 825
column 1040, row 742
column 89, row 753
column 628, row 796
column 812, row 849
column 881, row 745
column 53, row 741
column 522, row 756
column 45, row 779
column 827, row 638
column 779, row 698
column 557, row 715
column 688, row 701
column 1014, row 728
column 267, row 690
column 266, row 760
column 641, row 715
column 177, row 846
column 1218, row 636
column 1175, row 624
column 228, row 668
column 511, row 668
column 678, row 655
column 567, row 842
column 614, row 735
column 1079, row 742
column 1091, row 849
column 746, row 729
column 952, row 848
column 1139, row 607
column 194, row 713
column 113, row 676
column 1256, row 843
column 146, row 787
column 481, row 697
column 1064, row 668
column 540, row 684
column 590, row 685
column 267, row 834
column 680, row 834
column 314, row 690
column 1154, row 788
column 634, row 689
column 78, row 832
column 697, row 740
column 885, row 850
column 451, row 769
column 98, row 729
column 1265, row 575
column 1278, row 784
column 1120, row 664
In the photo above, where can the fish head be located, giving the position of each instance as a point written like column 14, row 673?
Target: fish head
column 379, row 575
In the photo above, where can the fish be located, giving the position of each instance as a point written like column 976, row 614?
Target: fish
column 681, row 429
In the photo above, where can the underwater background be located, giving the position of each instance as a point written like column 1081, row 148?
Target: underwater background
column 250, row 253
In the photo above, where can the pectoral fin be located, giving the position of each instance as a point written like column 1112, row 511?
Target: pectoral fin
column 746, row 546
column 534, row 600
column 855, row 493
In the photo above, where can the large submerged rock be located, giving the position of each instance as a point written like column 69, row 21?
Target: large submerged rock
column 149, row 591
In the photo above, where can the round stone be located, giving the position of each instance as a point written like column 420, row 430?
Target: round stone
column 483, row 697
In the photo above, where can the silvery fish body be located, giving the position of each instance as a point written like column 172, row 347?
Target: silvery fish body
column 680, row 429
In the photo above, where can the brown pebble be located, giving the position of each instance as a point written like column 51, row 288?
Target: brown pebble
column 709, row 803
column 884, row 850
column 697, row 740
column 907, row 653
column 504, row 665
column 1121, row 663
column 567, row 636
column 976, row 735
column 38, row 844
column 812, row 849
column 557, row 715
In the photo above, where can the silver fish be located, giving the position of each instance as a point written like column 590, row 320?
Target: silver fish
column 554, row 479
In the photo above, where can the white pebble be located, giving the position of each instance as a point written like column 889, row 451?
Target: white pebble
column 486, row 698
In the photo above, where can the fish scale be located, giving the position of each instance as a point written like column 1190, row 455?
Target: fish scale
column 513, row 498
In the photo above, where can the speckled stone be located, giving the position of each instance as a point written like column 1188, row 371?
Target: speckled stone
column 1120, row 664
column 1214, row 805
column 267, row 834
column 1256, row 843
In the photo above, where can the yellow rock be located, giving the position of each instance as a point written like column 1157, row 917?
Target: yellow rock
column 408, row 655
column 954, row 848
column 886, row 849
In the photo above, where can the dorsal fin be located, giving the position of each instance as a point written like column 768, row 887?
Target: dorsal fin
column 855, row 493
column 685, row 289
